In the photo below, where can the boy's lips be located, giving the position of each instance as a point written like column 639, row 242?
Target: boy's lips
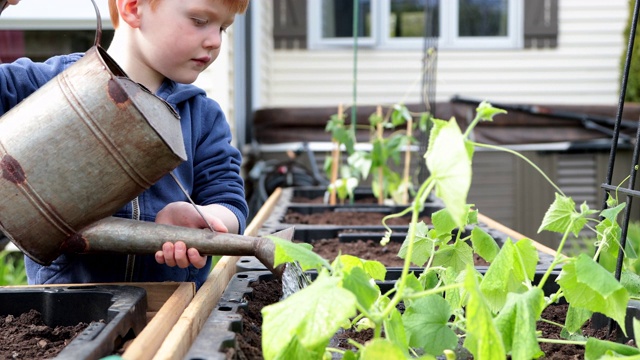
column 204, row 60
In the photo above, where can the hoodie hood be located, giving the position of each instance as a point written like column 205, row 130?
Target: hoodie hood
column 175, row 93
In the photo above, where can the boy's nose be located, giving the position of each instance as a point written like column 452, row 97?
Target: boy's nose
column 213, row 40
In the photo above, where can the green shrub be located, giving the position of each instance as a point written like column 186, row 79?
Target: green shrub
column 12, row 270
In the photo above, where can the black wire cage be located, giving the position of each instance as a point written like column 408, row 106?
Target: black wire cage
column 630, row 191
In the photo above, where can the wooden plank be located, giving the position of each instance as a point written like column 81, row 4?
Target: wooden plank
column 513, row 234
column 146, row 344
column 182, row 335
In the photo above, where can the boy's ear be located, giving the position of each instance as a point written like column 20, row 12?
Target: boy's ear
column 129, row 12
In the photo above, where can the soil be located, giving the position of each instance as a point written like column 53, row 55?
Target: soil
column 28, row 337
column 350, row 218
column 248, row 346
column 368, row 250
column 321, row 200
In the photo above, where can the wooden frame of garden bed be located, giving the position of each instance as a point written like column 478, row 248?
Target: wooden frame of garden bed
column 175, row 311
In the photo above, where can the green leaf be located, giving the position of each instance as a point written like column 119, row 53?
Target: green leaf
column 576, row 317
column 457, row 256
column 450, row 166
column 631, row 282
column 485, row 111
column 288, row 252
column 484, row 244
column 382, row 349
column 507, row 273
column 422, row 246
column 483, row 338
column 358, row 283
column 394, row 329
column 596, row 349
column 517, row 323
column 559, row 216
column 361, row 162
column 442, row 222
column 425, row 322
column 400, row 115
column 374, row 269
column 588, row 285
column 312, row 316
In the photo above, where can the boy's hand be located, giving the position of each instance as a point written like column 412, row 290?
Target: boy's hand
column 184, row 214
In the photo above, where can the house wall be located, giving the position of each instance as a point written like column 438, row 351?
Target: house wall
column 583, row 69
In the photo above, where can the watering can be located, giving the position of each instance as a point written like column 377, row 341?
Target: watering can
column 81, row 147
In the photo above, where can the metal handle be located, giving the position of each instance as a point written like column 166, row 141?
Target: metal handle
column 3, row 5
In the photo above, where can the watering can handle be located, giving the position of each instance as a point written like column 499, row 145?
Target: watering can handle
column 3, row 5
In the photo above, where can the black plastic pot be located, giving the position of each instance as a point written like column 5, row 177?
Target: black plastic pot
column 285, row 205
column 114, row 313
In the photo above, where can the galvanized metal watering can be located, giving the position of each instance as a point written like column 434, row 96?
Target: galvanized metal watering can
column 81, row 147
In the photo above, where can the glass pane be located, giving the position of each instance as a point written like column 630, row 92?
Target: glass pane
column 337, row 18
column 39, row 45
column 483, row 17
column 410, row 18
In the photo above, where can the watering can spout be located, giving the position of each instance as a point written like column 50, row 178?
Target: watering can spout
column 119, row 235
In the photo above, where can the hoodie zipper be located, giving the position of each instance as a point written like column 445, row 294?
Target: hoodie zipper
column 131, row 259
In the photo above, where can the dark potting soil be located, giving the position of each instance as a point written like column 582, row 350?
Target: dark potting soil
column 368, row 250
column 351, row 218
column 321, row 200
column 248, row 346
column 28, row 337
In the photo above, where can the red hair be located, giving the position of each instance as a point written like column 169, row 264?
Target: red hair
column 237, row 6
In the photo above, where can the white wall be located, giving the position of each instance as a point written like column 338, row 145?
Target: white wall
column 583, row 69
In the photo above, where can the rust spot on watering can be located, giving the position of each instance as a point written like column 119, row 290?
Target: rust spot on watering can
column 117, row 93
column 11, row 170
column 74, row 244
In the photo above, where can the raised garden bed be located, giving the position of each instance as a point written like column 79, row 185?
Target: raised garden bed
column 92, row 321
column 364, row 243
column 233, row 331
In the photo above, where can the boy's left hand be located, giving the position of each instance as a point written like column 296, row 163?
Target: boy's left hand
column 184, row 214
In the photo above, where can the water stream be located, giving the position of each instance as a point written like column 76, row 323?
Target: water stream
column 293, row 279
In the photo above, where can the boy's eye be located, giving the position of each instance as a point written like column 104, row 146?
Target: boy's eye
column 199, row 22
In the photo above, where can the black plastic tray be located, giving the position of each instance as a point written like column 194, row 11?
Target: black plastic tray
column 113, row 313
column 309, row 234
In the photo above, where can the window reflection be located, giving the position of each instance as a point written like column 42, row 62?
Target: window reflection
column 483, row 17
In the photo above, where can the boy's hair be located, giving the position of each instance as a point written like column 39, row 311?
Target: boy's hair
column 237, row 6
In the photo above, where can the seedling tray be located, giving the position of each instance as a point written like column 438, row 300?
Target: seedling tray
column 310, row 234
column 113, row 313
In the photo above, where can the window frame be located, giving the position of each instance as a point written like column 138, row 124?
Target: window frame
column 448, row 39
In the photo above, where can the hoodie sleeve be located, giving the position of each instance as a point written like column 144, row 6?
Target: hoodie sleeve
column 217, row 163
column 22, row 77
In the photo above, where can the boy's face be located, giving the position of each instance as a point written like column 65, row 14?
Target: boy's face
column 180, row 39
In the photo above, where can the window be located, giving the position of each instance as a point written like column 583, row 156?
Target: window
column 458, row 24
column 39, row 45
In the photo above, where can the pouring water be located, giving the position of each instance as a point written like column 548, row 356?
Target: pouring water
column 293, row 279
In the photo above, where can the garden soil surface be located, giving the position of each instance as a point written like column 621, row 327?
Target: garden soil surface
column 27, row 337
column 349, row 218
column 248, row 343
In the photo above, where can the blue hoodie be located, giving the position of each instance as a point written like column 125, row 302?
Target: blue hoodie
column 211, row 175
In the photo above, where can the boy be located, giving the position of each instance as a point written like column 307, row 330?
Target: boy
column 163, row 45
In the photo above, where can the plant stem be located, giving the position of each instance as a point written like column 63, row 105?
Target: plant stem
column 434, row 291
column 559, row 341
column 500, row 148
column 557, row 258
column 421, row 195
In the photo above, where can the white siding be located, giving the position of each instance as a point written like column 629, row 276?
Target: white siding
column 583, row 69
